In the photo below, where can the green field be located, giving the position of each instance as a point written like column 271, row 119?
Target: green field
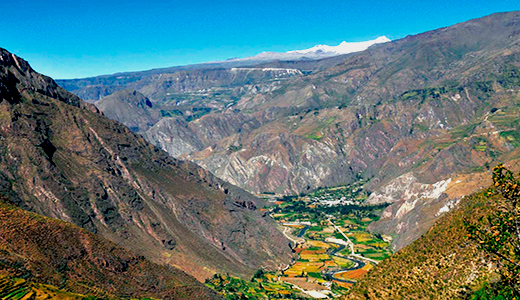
column 321, row 255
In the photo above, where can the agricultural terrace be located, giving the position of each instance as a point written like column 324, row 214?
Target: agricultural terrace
column 323, row 252
column 323, row 266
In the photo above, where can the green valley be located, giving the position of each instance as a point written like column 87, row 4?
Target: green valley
column 382, row 169
column 328, row 230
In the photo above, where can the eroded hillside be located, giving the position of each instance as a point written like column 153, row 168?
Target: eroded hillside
column 47, row 251
column 61, row 158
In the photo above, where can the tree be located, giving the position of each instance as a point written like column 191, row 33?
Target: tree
column 259, row 274
column 499, row 233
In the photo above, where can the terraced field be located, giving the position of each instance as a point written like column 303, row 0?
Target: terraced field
column 15, row 289
column 324, row 254
column 20, row 289
column 261, row 286
column 321, row 226
column 354, row 274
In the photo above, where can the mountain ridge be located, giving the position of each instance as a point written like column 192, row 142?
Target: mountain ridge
column 63, row 159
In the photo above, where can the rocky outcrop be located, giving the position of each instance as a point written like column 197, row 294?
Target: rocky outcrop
column 131, row 108
column 412, row 211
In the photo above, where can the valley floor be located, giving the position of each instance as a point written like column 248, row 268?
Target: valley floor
column 328, row 231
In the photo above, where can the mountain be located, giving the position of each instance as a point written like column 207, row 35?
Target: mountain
column 61, row 158
column 421, row 118
column 47, row 251
column 414, row 116
column 442, row 264
column 316, row 52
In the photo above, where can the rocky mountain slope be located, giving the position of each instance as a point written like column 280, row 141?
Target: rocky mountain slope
column 425, row 109
column 417, row 114
column 61, row 158
column 443, row 264
column 47, row 251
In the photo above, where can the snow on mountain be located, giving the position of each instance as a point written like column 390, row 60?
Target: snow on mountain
column 343, row 48
column 316, row 52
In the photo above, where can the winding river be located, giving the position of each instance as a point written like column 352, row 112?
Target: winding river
column 358, row 264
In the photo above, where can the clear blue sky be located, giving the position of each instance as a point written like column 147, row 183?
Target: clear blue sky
column 70, row 39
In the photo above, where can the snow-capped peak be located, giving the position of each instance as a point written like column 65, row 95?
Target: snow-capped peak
column 342, row 48
column 316, row 52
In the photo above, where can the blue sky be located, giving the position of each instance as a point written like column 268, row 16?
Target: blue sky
column 71, row 39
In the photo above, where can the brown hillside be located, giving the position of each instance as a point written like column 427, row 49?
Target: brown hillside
column 442, row 264
column 61, row 158
column 58, row 253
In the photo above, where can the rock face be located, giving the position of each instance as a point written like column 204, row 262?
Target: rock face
column 412, row 209
column 130, row 108
column 406, row 188
column 61, row 158
column 49, row 251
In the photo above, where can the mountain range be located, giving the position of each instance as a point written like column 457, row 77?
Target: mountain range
column 414, row 116
column 166, row 190
column 95, row 88
column 63, row 159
